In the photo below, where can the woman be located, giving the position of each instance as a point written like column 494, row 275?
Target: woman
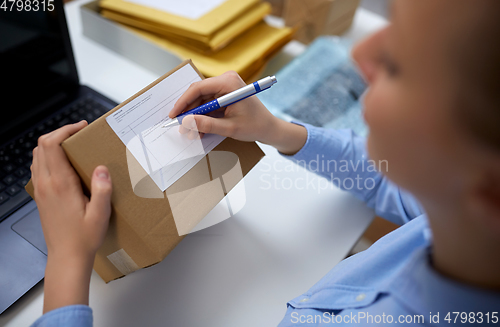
column 433, row 109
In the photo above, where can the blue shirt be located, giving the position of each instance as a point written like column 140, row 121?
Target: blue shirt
column 391, row 282
column 72, row 315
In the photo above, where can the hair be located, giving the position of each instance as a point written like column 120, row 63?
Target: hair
column 476, row 59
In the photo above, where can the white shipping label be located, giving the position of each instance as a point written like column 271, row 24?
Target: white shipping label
column 164, row 153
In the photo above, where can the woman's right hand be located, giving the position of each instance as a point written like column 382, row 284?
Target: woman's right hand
column 247, row 120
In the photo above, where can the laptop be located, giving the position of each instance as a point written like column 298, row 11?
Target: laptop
column 40, row 92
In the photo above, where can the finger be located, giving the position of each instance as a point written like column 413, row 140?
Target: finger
column 40, row 173
column 34, row 166
column 216, row 113
column 50, row 145
column 42, row 168
column 210, row 87
column 99, row 206
column 219, row 113
column 192, row 135
column 207, row 124
column 207, row 87
column 198, row 102
column 183, row 130
column 62, row 133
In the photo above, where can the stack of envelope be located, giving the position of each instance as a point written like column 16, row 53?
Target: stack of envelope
column 218, row 35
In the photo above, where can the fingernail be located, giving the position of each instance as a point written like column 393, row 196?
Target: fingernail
column 102, row 174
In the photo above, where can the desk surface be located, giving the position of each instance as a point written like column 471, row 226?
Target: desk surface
column 242, row 271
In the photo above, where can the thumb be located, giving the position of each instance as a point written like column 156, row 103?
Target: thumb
column 99, row 207
column 208, row 124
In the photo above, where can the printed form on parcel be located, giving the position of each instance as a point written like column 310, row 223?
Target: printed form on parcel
column 163, row 153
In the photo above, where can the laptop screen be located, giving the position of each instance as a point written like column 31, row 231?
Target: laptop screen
column 37, row 66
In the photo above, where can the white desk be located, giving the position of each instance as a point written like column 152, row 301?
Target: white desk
column 240, row 272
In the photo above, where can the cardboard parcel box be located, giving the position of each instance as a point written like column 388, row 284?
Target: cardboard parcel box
column 318, row 17
column 146, row 224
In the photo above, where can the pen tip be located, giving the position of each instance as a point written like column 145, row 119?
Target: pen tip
column 170, row 122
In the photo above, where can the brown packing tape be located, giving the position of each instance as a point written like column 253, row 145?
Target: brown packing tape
column 123, row 262
column 143, row 227
column 221, row 172
column 183, row 207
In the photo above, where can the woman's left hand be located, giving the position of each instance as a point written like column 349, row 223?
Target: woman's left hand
column 74, row 226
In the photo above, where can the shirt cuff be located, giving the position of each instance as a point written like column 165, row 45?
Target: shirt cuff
column 309, row 149
column 77, row 315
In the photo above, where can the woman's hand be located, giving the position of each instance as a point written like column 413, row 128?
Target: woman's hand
column 247, row 120
column 74, row 226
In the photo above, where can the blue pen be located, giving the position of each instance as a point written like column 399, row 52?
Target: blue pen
column 225, row 100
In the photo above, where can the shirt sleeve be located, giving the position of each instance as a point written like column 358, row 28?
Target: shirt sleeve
column 341, row 157
column 72, row 315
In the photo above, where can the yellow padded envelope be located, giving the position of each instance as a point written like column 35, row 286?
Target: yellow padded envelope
column 201, row 43
column 206, row 25
column 245, row 55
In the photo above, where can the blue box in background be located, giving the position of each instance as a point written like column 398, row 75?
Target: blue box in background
column 321, row 87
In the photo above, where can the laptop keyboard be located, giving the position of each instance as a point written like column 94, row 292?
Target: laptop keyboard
column 16, row 156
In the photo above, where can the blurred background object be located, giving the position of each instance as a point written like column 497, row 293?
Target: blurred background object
column 380, row 7
column 318, row 17
column 321, row 87
column 323, row 17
